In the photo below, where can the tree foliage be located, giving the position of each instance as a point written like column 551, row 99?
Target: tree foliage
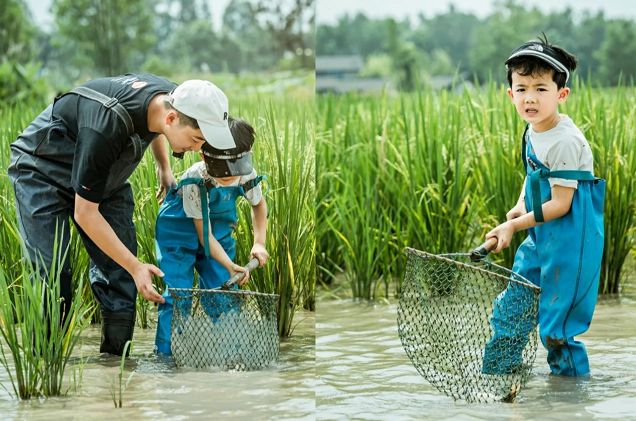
column 457, row 41
column 112, row 34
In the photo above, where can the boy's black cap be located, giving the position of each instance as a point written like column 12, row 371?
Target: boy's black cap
column 544, row 52
column 228, row 162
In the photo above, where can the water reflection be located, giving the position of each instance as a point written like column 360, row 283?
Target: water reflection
column 159, row 391
column 363, row 372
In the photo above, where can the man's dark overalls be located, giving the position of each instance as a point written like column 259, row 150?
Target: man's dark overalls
column 41, row 170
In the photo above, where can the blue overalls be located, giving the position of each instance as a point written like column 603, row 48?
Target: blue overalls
column 563, row 257
column 179, row 251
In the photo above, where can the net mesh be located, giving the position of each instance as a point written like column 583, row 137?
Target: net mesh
column 229, row 330
column 447, row 328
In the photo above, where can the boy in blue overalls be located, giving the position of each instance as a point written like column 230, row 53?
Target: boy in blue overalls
column 185, row 240
column 561, row 206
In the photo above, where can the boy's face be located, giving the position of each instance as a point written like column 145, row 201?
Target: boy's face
column 536, row 98
column 224, row 181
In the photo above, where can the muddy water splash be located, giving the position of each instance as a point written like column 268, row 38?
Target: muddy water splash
column 364, row 373
column 160, row 391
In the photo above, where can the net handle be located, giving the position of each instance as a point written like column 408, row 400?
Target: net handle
column 482, row 251
column 253, row 264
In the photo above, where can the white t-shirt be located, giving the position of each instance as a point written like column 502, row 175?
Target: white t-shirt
column 563, row 148
column 192, row 197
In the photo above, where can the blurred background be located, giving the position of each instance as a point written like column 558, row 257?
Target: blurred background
column 245, row 43
column 362, row 47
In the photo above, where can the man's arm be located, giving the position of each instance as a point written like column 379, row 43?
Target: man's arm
column 89, row 218
column 164, row 171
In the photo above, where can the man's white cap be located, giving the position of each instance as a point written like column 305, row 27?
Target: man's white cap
column 207, row 104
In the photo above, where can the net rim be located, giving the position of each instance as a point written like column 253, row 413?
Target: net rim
column 443, row 257
column 199, row 291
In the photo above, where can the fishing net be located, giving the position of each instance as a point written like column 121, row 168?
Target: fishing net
column 468, row 327
column 230, row 330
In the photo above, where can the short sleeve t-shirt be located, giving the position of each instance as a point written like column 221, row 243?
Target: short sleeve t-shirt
column 99, row 133
column 562, row 148
column 192, row 197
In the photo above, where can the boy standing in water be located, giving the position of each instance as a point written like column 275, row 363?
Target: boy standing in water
column 206, row 198
column 561, row 206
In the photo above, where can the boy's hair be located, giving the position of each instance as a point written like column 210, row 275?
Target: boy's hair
column 243, row 134
column 184, row 120
column 527, row 65
column 235, row 161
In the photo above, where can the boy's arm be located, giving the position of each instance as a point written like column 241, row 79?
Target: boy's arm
column 259, row 222
column 217, row 252
column 555, row 208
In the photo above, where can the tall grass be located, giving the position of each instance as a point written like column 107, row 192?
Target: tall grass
column 436, row 171
column 284, row 151
column 39, row 338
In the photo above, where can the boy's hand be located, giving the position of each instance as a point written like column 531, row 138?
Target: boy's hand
column 504, row 233
column 234, row 269
column 259, row 251
column 167, row 181
column 517, row 211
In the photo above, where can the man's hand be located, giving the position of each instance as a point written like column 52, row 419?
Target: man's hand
column 259, row 252
column 167, row 180
column 504, row 233
column 143, row 279
column 517, row 211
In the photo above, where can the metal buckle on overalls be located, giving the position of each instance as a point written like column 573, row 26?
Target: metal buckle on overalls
column 110, row 103
column 532, row 164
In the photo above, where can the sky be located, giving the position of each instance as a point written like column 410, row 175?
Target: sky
column 40, row 9
column 328, row 11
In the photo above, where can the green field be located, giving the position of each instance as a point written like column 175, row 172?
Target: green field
column 436, row 171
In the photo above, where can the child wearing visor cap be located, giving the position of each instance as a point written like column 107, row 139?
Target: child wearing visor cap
column 195, row 223
column 561, row 207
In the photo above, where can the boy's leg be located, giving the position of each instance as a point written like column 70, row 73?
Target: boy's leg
column 565, row 311
column 114, row 288
column 572, row 248
column 512, row 319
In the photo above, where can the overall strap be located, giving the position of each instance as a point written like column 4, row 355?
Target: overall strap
column 250, row 184
column 253, row 183
column 535, row 185
column 114, row 105
column 203, row 194
column 524, row 156
column 108, row 102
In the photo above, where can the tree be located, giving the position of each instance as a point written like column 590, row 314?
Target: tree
column 403, row 55
column 111, row 33
column 618, row 52
column 16, row 31
column 288, row 21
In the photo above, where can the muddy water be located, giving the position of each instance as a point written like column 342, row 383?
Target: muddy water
column 159, row 391
column 364, row 374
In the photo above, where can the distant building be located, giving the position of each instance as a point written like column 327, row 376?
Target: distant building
column 455, row 83
column 339, row 74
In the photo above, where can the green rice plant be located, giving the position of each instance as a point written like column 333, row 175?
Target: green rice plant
column 38, row 337
column 436, row 171
column 122, row 386
column 284, row 152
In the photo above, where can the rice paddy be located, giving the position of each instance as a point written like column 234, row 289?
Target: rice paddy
column 436, row 171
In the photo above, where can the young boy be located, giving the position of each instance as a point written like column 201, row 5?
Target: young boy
column 222, row 177
column 561, row 206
